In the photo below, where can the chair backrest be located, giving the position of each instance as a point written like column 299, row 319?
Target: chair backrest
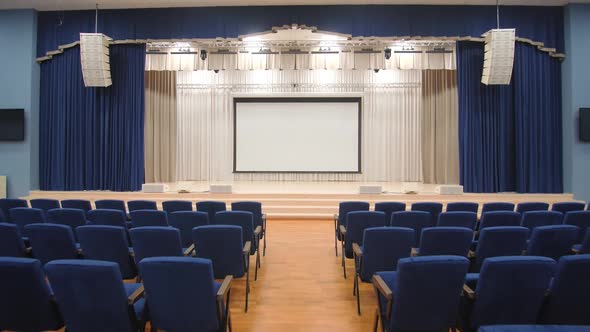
column 510, row 290
column 26, row 303
column 110, row 204
column 52, row 241
column 569, row 296
column 497, row 206
column 416, row 220
column 390, row 207
column 24, row 216
column 107, row 243
column 433, row 207
column 45, row 204
column 173, row 206
column 155, row 242
column 3, row 218
column 356, row 223
column 445, row 241
column 81, row 204
column 91, row 295
column 250, row 206
column 552, row 241
column 581, row 219
column 68, row 217
column 222, row 244
column 141, row 205
column 211, row 208
column 499, row 218
column 533, row 219
column 565, row 207
column 107, row 217
column 531, row 206
column 585, row 246
column 349, row 206
column 462, row 207
column 427, row 287
column 187, row 302
column 11, row 242
column 457, row 219
column 143, row 218
column 383, row 247
column 10, row 203
column 243, row 219
column 500, row 241
column 185, row 221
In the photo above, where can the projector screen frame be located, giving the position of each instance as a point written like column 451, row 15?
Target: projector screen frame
column 300, row 99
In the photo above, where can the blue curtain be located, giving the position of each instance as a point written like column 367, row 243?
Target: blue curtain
column 510, row 136
column 92, row 138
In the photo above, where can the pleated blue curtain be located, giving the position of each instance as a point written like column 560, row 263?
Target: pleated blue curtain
column 92, row 138
column 510, row 136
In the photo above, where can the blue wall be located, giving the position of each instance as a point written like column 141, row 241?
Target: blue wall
column 19, row 88
column 576, row 94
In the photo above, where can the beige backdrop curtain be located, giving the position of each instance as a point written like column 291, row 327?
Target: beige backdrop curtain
column 160, row 126
column 440, row 140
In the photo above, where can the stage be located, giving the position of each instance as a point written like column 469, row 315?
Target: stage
column 301, row 200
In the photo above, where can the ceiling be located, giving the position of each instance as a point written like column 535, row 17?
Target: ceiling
column 108, row 4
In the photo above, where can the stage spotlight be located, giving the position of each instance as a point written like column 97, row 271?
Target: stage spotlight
column 203, row 55
column 387, row 53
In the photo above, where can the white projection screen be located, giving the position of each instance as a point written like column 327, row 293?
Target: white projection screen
column 297, row 135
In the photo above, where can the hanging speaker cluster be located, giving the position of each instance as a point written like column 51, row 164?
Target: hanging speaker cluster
column 499, row 56
column 94, row 55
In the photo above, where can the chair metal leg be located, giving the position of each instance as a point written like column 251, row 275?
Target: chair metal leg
column 265, row 235
column 358, row 295
column 343, row 261
column 257, row 265
column 247, row 287
column 336, row 237
column 229, row 321
column 376, row 324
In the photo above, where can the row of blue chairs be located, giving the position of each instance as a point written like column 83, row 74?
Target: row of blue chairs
column 177, row 294
column 430, row 293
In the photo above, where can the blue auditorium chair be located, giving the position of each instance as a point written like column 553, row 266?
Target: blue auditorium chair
column 110, row 204
column 68, row 217
column 259, row 218
column 183, row 295
column 107, row 217
column 3, row 218
column 211, row 208
column 499, row 219
column 10, row 203
column 92, row 296
column 382, row 248
column 422, row 295
column 533, row 328
column 445, row 241
column 11, row 242
column 107, row 243
column 81, row 204
column 497, row 206
column 185, row 221
column 141, row 205
column 565, row 207
column 390, row 207
column 27, row 302
column 457, row 219
column 250, row 234
column 223, row 245
column 175, row 205
column 584, row 247
column 340, row 218
column 580, row 219
column 499, row 241
column 434, row 208
column 533, row 219
column 531, row 206
column 569, row 296
column 356, row 223
column 552, row 241
column 26, row 216
column 51, row 241
column 510, row 290
column 156, row 241
column 45, row 204
column 416, row 220
column 462, row 207
column 143, row 218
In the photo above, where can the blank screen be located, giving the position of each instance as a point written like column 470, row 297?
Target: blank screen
column 12, row 124
column 297, row 135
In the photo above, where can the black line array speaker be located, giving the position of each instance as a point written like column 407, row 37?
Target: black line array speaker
column 584, row 123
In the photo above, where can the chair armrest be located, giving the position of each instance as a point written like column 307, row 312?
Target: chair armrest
column 468, row 292
column 382, row 287
column 342, row 230
column 335, row 216
column 136, row 295
column 247, row 247
column 414, row 252
column 471, row 254
column 189, row 250
column 356, row 249
column 224, row 289
column 575, row 251
column 258, row 230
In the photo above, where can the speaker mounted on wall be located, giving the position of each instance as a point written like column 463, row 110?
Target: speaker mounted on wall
column 584, row 125
column 94, row 56
column 499, row 56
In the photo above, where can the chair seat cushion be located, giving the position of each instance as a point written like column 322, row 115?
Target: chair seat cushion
column 139, row 306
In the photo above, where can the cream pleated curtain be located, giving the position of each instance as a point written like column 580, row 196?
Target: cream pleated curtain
column 391, row 120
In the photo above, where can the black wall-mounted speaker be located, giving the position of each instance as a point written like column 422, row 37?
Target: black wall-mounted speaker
column 584, row 123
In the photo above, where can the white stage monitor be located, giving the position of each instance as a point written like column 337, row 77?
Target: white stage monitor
column 297, row 134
